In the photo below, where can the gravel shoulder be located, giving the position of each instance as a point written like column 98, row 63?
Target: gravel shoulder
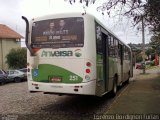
column 18, row 103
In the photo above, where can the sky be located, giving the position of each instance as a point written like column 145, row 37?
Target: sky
column 11, row 12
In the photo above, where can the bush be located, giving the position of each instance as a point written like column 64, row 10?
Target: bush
column 17, row 58
column 152, row 63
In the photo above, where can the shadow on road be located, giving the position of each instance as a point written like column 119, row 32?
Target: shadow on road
column 79, row 104
column 82, row 105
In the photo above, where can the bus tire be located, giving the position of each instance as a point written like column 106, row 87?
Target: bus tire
column 114, row 89
column 127, row 81
column 128, row 78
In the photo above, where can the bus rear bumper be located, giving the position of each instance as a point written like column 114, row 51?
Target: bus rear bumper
column 87, row 88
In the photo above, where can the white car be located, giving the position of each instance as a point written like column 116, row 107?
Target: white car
column 15, row 75
column 24, row 70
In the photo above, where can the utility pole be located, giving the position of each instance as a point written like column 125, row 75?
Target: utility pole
column 143, row 46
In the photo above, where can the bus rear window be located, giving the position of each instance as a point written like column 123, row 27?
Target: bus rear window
column 58, row 33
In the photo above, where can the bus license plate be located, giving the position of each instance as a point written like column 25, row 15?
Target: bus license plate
column 55, row 79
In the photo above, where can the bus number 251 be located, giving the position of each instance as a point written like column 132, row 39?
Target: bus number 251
column 73, row 77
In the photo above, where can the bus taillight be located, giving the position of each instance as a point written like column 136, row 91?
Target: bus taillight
column 88, row 71
column 88, row 64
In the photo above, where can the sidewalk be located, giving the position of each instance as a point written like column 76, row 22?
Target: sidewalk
column 142, row 95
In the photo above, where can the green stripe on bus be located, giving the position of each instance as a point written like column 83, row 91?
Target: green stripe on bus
column 46, row 71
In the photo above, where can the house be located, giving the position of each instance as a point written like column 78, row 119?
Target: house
column 8, row 39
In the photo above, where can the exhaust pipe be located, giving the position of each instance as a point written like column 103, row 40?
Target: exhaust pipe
column 26, row 37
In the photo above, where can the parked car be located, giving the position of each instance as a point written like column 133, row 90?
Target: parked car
column 24, row 70
column 3, row 77
column 140, row 65
column 147, row 62
column 15, row 75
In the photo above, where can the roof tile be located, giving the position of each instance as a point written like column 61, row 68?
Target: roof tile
column 6, row 32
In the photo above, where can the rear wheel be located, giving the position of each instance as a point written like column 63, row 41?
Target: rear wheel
column 17, row 79
column 127, row 81
column 114, row 90
column 128, row 78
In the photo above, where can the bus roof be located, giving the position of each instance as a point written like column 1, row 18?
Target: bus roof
column 60, row 15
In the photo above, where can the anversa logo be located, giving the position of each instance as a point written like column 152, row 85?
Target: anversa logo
column 56, row 53
column 78, row 53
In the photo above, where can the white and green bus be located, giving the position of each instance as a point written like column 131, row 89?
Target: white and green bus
column 75, row 53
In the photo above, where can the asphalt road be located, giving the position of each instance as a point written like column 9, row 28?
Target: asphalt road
column 17, row 103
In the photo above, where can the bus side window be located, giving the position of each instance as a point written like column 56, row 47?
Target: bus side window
column 124, row 52
column 119, row 50
column 109, row 44
column 126, row 56
column 116, row 47
column 111, row 47
column 99, row 40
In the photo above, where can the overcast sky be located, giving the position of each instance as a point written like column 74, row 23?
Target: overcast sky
column 12, row 10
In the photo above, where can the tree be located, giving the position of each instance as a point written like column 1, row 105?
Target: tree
column 150, row 52
column 152, row 12
column 132, row 8
column 17, row 58
column 135, row 9
column 155, row 43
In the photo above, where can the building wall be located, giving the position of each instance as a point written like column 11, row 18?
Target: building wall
column 1, row 56
column 5, row 46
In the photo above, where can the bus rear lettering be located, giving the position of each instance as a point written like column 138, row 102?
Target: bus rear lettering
column 56, row 53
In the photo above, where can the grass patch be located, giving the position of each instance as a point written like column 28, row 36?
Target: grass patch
column 145, row 73
column 147, row 76
column 151, row 67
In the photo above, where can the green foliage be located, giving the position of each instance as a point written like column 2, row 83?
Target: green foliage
column 155, row 43
column 153, row 15
column 152, row 63
column 149, row 10
column 17, row 58
column 150, row 51
column 139, row 58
